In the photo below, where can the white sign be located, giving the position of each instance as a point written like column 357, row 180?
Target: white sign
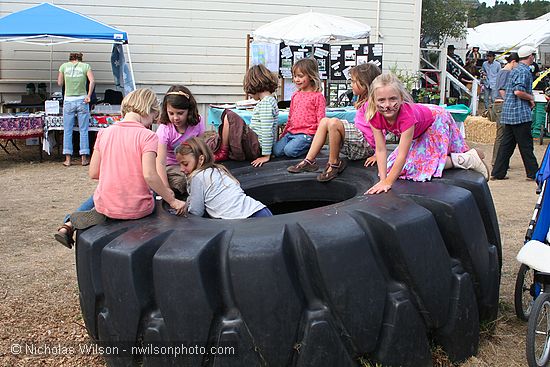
column 51, row 107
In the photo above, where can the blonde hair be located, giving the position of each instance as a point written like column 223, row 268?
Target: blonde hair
column 385, row 80
column 142, row 101
column 310, row 68
column 364, row 74
column 197, row 147
column 260, row 79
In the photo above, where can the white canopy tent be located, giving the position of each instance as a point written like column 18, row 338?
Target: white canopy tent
column 311, row 28
column 504, row 36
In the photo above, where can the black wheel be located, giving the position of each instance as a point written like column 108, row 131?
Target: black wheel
column 333, row 277
column 524, row 294
column 538, row 332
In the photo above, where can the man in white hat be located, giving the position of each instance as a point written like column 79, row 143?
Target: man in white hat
column 516, row 118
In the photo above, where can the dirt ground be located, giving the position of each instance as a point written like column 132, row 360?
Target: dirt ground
column 39, row 305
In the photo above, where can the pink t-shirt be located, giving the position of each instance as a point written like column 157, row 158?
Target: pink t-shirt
column 169, row 135
column 122, row 192
column 306, row 111
column 409, row 114
column 363, row 125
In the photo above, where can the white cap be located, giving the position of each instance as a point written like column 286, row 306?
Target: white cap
column 525, row 51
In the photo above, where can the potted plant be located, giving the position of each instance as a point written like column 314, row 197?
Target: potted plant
column 423, row 96
column 464, row 100
column 435, row 98
column 452, row 100
column 414, row 94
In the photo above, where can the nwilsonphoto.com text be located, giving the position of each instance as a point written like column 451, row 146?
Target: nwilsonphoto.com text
column 122, row 349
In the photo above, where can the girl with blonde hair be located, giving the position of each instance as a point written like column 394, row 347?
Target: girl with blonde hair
column 430, row 140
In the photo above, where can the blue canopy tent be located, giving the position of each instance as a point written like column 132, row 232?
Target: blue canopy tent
column 48, row 24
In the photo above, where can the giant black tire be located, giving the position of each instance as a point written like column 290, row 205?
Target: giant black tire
column 350, row 277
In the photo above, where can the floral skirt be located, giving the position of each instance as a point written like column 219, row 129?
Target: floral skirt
column 429, row 151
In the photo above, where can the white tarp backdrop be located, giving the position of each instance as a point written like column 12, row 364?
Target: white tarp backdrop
column 503, row 36
column 311, row 28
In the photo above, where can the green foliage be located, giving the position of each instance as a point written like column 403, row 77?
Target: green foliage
column 503, row 11
column 408, row 79
column 442, row 19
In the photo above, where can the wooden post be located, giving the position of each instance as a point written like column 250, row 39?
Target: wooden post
column 248, row 39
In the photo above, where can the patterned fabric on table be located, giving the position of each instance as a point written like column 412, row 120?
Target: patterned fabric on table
column 21, row 127
column 104, row 120
column 98, row 121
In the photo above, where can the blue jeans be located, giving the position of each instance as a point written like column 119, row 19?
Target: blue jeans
column 292, row 145
column 265, row 212
column 489, row 95
column 87, row 205
column 71, row 111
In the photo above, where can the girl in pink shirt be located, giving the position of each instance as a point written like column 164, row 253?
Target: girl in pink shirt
column 355, row 140
column 307, row 108
column 430, row 140
column 179, row 121
column 123, row 162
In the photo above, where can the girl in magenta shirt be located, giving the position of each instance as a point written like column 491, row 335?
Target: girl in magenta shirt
column 179, row 121
column 355, row 140
column 307, row 108
column 430, row 140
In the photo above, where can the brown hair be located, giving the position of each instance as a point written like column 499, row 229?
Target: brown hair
column 197, row 147
column 142, row 101
column 513, row 56
column 384, row 80
column 75, row 56
column 180, row 97
column 260, row 79
column 364, row 74
column 310, row 68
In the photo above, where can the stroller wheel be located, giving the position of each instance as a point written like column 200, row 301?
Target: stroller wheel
column 524, row 295
column 538, row 333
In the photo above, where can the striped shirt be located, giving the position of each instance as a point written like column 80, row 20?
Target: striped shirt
column 264, row 123
column 516, row 110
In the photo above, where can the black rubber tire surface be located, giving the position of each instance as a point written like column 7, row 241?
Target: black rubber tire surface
column 376, row 278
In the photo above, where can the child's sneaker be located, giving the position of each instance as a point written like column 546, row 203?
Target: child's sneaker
column 304, row 166
column 470, row 160
column 86, row 219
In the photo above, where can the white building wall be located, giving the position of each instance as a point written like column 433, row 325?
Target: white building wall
column 201, row 44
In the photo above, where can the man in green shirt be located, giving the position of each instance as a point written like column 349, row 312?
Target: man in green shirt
column 74, row 75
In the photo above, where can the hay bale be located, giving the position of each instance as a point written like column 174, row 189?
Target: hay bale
column 480, row 129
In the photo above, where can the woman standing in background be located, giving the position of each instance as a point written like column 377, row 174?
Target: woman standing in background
column 73, row 75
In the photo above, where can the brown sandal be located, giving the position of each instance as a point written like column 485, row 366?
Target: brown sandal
column 304, row 166
column 327, row 175
column 65, row 238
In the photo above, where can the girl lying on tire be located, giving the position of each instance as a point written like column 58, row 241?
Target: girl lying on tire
column 430, row 139
column 179, row 121
column 355, row 140
column 124, row 163
column 259, row 83
column 212, row 188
